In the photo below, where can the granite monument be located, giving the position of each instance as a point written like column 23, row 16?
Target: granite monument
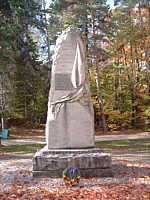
column 70, row 118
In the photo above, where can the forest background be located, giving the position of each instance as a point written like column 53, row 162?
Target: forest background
column 118, row 54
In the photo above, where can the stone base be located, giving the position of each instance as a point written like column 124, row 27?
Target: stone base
column 91, row 162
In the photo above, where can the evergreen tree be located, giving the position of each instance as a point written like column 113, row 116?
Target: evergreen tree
column 19, row 53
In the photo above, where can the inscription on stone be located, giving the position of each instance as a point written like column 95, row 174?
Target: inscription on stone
column 63, row 82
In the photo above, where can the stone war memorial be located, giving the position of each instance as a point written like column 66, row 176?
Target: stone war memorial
column 70, row 118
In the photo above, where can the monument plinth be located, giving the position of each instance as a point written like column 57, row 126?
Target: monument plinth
column 70, row 117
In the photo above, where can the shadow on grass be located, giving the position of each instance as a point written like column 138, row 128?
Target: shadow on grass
column 130, row 145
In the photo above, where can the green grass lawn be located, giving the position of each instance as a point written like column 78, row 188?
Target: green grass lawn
column 131, row 145
column 21, row 148
column 127, row 145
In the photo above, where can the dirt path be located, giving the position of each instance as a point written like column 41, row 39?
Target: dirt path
column 41, row 140
column 142, row 135
column 8, row 142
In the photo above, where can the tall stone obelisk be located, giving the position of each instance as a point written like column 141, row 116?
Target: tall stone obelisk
column 70, row 118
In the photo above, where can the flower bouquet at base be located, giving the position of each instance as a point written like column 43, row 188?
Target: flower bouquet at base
column 71, row 176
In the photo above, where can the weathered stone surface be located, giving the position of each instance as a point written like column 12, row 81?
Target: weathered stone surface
column 46, row 151
column 53, row 162
column 63, row 82
column 91, row 160
column 70, row 117
column 85, row 173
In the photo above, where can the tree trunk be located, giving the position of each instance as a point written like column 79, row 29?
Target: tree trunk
column 3, row 99
column 98, row 87
column 2, row 122
column 47, row 42
column 100, row 100
column 133, row 97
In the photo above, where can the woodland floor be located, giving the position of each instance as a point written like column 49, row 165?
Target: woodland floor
column 131, row 180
